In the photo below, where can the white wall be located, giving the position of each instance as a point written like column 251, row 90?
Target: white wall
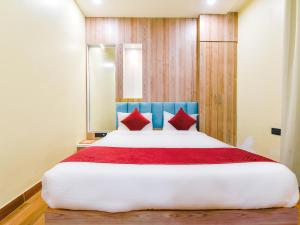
column 259, row 80
column 42, row 89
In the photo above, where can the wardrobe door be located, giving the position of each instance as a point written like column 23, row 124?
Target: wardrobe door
column 218, row 90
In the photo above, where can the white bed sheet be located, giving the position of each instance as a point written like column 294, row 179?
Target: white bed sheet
column 123, row 187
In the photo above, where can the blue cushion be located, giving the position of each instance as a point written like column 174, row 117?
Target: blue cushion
column 192, row 108
column 157, row 108
column 179, row 105
column 132, row 106
column 145, row 107
column 157, row 114
column 169, row 107
column 121, row 107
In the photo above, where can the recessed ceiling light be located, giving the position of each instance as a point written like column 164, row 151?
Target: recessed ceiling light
column 97, row 2
column 211, row 2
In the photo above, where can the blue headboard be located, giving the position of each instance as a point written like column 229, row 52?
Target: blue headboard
column 157, row 108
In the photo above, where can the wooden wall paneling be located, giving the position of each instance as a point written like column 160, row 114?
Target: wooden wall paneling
column 178, row 68
column 119, row 71
column 169, row 53
column 219, row 27
column 165, row 62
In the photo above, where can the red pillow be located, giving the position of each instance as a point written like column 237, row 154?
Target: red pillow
column 182, row 120
column 135, row 121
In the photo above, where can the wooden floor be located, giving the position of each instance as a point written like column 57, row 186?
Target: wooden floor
column 32, row 213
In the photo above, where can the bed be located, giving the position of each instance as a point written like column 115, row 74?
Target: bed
column 115, row 188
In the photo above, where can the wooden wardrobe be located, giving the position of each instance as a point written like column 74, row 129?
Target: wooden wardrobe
column 217, row 57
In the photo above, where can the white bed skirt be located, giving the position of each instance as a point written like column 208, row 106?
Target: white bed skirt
column 121, row 187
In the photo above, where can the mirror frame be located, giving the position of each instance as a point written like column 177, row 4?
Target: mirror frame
column 88, row 116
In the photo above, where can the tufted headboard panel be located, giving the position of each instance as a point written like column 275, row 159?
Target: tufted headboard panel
column 157, row 108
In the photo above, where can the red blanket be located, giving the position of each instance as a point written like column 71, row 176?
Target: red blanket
column 169, row 156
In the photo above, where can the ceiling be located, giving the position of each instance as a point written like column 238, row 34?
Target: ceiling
column 157, row 8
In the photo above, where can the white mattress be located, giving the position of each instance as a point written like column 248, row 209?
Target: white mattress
column 125, row 187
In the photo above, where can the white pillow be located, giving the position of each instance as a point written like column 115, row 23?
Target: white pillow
column 122, row 116
column 168, row 126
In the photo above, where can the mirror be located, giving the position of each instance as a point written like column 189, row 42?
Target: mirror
column 132, row 71
column 101, row 88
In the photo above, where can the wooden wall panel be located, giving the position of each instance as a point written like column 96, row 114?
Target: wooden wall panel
column 219, row 28
column 172, row 59
column 217, row 77
column 169, row 53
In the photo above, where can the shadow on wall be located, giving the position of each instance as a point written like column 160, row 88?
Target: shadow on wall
column 248, row 144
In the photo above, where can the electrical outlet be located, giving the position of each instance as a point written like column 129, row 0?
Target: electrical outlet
column 276, row 131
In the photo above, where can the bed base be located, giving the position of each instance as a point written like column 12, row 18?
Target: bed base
column 278, row 216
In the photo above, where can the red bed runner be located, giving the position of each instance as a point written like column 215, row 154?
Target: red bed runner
column 169, row 156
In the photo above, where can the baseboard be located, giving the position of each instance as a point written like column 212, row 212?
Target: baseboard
column 14, row 204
